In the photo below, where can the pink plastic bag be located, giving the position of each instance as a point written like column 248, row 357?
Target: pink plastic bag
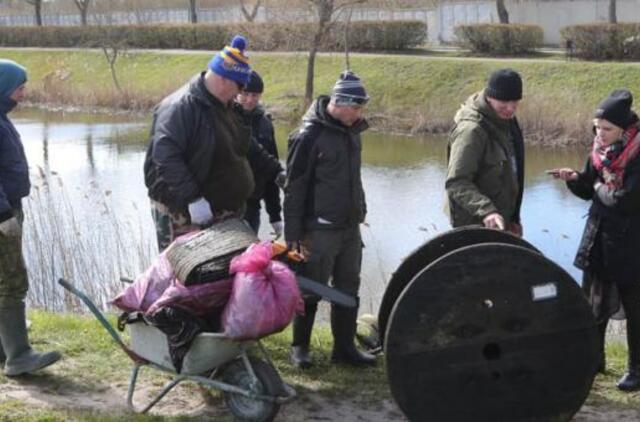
column 265, row 295
column 147, row 287
column 158, row 286
column 199, row 299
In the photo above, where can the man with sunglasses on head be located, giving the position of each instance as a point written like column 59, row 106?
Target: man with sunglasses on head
column 196, row 169
column 324, row 205
column 266, row 174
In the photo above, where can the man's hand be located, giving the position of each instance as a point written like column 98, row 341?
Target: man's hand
column 494, row 221
column 278, row 227
column 565, row 174
column 200, row 212
column 293, row 245
column 11, row 227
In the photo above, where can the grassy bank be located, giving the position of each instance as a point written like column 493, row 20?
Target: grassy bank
column 409, row 93
column 90, row 382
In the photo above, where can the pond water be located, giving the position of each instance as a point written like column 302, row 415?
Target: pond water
column 96, row 162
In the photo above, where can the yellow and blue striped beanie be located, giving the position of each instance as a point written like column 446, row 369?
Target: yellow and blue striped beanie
column 231, row 62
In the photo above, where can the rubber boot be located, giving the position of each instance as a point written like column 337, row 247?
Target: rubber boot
column 343, row 327
column 21, row 359
column 302, row 326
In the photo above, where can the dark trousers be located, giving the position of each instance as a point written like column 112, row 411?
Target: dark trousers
column 252, row 215
column 334, row 255
column 629, row 296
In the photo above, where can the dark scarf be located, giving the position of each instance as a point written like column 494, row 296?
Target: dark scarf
column 610, row 161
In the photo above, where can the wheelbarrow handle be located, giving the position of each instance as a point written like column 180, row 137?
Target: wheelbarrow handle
column 96, row 312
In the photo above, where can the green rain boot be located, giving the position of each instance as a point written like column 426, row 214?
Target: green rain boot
column 20, row 358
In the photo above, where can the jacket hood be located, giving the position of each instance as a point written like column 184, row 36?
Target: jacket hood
column 476, row 108
column 6, row 105
column 317, row 113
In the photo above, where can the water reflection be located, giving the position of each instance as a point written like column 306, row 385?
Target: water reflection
column 403, row 179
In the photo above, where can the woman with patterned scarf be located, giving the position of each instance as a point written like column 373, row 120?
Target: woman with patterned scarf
column 611, row 240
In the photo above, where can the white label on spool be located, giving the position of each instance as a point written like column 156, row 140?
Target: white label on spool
column 544, row 291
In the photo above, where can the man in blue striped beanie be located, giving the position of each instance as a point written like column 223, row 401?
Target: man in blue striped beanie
column 15, row 351
column 196, row 169
column 324, row 205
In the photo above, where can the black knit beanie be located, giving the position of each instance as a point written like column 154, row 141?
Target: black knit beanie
column 255, row 83
column 504, row 85
column 616, row 108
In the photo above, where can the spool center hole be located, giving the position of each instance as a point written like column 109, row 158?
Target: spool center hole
column 491, row 351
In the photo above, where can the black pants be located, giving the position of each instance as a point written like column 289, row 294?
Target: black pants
column 604, row 297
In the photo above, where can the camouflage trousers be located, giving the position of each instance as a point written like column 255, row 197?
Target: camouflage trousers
column 170, row 225
column 14, row 281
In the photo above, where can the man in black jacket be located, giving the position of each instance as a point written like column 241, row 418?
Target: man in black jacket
column 261, row 132
column 196, row 168
column 15, row 351
column 324, row 205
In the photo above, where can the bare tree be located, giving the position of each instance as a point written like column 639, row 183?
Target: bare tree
column 327, row 11
column 193, row 11
column 37, row 5
column 503, row 15
column 613, row 16
column 250, row 16
column 83, row 7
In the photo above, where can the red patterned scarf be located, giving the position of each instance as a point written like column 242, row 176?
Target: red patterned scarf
column 610, row 160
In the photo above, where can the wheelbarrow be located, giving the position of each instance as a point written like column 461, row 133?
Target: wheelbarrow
column 252, row 387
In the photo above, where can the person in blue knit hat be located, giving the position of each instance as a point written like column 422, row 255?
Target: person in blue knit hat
column 15, row 351
column 196, row 168
column 324, row 205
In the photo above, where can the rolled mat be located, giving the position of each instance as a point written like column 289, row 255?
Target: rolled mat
column 206, row 256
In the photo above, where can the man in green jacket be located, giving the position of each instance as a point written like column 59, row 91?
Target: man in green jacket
column 485, row 174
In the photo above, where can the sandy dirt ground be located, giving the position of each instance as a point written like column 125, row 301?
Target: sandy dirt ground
column 190, row 400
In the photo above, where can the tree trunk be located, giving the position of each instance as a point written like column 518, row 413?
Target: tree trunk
column 308, row 89
column 38, row 7
column 503, row 15
column 83, row 17
column 250, row 17
column 613, row 16
column 193, row 14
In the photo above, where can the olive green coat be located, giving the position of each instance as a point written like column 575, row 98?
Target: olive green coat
column 482, row 152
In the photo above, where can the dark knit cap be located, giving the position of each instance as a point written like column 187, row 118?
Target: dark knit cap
column 255, row 83
column 349, row 90
column 616, row 108
column 504, row 85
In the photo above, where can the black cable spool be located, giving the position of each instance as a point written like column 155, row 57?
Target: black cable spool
column 490, row 332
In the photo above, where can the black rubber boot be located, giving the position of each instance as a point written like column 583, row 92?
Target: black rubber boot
column 20, row 358
column 343, row 327
column 302, row 326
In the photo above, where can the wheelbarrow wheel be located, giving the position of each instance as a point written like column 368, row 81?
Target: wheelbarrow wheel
column 269, row 384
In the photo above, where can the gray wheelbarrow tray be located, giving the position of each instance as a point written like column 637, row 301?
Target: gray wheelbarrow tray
column 210, row 357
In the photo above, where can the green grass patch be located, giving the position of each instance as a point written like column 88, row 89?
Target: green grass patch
column 409, row 92
column 93, row 364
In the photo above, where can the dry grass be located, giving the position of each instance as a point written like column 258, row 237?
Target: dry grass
column 87, row 245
